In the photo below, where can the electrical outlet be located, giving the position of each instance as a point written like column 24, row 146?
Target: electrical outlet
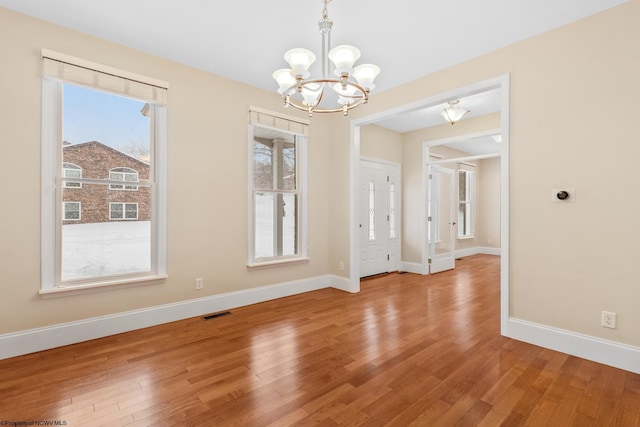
column 199, row 283
column 608, row 319
column 341, row 266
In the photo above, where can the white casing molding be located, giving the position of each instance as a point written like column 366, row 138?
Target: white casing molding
column 414, row 267
column 38, row 339
column 585, row 346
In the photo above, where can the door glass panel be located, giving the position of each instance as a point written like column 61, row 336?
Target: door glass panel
column 392, row 211
column 372, row 210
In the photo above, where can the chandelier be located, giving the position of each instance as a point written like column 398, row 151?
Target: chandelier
column 349, row 87
column 453, row 113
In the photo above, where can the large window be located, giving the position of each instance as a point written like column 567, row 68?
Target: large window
column 277, row 191
column 103, row 129
column 465, row 203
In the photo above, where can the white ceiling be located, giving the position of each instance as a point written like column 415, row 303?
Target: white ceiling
column 245, row 40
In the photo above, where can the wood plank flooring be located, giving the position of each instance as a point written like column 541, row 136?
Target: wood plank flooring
column 408, row 350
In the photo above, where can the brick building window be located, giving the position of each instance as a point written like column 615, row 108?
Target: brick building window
column 69, row 170
column 71, row 211
column 124, row 211
column 123, row 174
column 102, row 129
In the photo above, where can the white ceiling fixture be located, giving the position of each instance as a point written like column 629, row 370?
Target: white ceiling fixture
column 453, row 112
column 350, row 85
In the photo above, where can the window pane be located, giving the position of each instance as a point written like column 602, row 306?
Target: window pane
column 288, row 167
column 263, row 165
column 265, row 204
column 465, row 187
column 289, row 224
column 108, row 238
column 276, row 225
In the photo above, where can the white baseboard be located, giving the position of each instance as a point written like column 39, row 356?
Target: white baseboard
column 344, row 284
column 585, row 346
column 414, row 267
column 30, row 341
column 477, row 250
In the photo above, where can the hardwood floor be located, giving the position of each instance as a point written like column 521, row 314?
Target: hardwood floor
column 408, row 350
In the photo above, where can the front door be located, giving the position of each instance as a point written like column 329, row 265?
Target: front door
column 380, row 218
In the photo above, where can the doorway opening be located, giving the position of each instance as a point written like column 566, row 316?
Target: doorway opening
column 415, row 240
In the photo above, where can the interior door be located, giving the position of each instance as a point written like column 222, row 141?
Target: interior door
column 441, row 215
column 380, row 218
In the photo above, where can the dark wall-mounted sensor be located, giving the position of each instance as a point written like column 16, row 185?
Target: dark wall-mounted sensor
column 563, row 195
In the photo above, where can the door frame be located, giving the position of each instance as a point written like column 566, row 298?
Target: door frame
column 502, row 82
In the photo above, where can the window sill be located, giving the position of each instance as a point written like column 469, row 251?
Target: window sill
column 277, row 263
column 89, row 288
column 466, row 237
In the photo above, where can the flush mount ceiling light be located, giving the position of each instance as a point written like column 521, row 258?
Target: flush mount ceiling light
column 349, row 88
column 453, row 113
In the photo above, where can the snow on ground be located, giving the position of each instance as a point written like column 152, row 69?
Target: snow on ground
column 105, row 249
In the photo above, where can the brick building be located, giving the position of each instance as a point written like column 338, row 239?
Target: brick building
column 90, row 203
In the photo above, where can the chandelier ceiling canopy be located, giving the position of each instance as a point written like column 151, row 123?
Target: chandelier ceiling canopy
column 347, row 87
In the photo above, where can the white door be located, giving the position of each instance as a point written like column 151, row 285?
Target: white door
column 380, row 218
column 441, row 219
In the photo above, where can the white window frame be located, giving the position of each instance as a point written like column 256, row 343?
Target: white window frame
column 65, row 170
column 152, row 91
column 114, row 175
column 469, row 203
column 123, row 209
column 299, row 128
column 64, row 211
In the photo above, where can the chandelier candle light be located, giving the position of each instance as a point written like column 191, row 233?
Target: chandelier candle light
column 351, row 85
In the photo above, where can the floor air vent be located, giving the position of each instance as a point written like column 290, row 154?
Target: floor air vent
column 213, row 316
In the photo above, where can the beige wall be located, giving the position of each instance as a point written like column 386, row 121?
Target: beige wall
column 566, row 264
column 488, row 204
column 380, row 143
column 207, row 191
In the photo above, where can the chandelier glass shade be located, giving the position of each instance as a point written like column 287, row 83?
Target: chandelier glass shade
column 348, row 86
column 453, row 113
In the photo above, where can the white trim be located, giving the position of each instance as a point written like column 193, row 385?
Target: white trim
column 83, row 63
column 414, row 267
column 295, row 119
column 585, row 346
column 29, row 341
column 343, row 284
